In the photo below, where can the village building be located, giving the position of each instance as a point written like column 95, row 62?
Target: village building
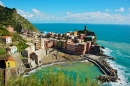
column 27, row 52
column 68, row 33
column 29, row 63
column 37, row 43
column 75, row 33
column 35, row 35
column 11, row 50
column 88, row 46
column 31, row 45
column 62, row 44
column 7, row 39
column 80, row 48
column 40, row 43
column 81, row 36
column 71, row 47
column 38, row 56
column 48, row 43
column 8, row 62
column 54, row 42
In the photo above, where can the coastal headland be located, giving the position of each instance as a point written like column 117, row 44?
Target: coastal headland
column 46, row 48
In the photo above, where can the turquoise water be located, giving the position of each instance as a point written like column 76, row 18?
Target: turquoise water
column 116, row 39
column 74, row 69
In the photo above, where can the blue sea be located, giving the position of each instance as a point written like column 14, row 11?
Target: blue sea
column 115, row 39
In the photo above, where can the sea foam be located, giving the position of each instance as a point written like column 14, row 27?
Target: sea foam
column 121, row 70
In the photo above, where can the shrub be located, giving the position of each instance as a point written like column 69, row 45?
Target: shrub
column 51, row 78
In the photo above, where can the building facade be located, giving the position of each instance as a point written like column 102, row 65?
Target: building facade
column 38, row 56
column 11, row 50
column 7, row 39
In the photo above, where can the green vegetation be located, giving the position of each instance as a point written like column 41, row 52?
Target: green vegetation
column 86, row 31
column 2, row 51
column 10, row 16
column 19, row 42
column 16, row 38
column 50, row 79
column 4, row 32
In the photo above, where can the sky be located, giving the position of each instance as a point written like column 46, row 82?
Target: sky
column 72, row 11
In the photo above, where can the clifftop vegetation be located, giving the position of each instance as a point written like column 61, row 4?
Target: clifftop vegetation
column 10, row 16
column 16, row 38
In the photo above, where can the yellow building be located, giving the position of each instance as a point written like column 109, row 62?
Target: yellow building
column 10, row 62
column 75, row 33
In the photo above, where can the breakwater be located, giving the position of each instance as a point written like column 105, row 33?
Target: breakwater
column 109, row 74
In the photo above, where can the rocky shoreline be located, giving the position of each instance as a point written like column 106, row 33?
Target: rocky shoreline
column 110, row 74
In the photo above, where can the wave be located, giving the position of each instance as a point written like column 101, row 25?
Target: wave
column 121, row 73
column 121, row 70
column 107, row 51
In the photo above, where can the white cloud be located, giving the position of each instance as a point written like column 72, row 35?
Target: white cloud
column 25, row 14
column 35, row 15
column 86, row 17
column 97, row 17
column 107, row 10
column 37, row 12
column 1, row 3
column 120, row 9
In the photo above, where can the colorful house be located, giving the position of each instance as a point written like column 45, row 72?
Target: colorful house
column 80, row 48
column 71, row 47
column 8, row 62
column 11, row 50
column 75, row 33
column 7, row 39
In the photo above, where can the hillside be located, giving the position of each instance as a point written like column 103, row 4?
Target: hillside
column 16, row 38
column 10, row 16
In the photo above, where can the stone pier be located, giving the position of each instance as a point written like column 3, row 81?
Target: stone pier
column 109, row 74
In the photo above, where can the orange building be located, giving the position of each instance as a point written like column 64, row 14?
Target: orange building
column 75, row 33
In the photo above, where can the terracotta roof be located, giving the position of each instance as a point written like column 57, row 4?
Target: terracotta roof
column 9, row 58
column 5, row 36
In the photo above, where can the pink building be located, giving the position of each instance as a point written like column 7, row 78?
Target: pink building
column 81, row 49
column 81, row 36
column 88, row 46
column 48, row 44
column 10, row 29
column 71, row 47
